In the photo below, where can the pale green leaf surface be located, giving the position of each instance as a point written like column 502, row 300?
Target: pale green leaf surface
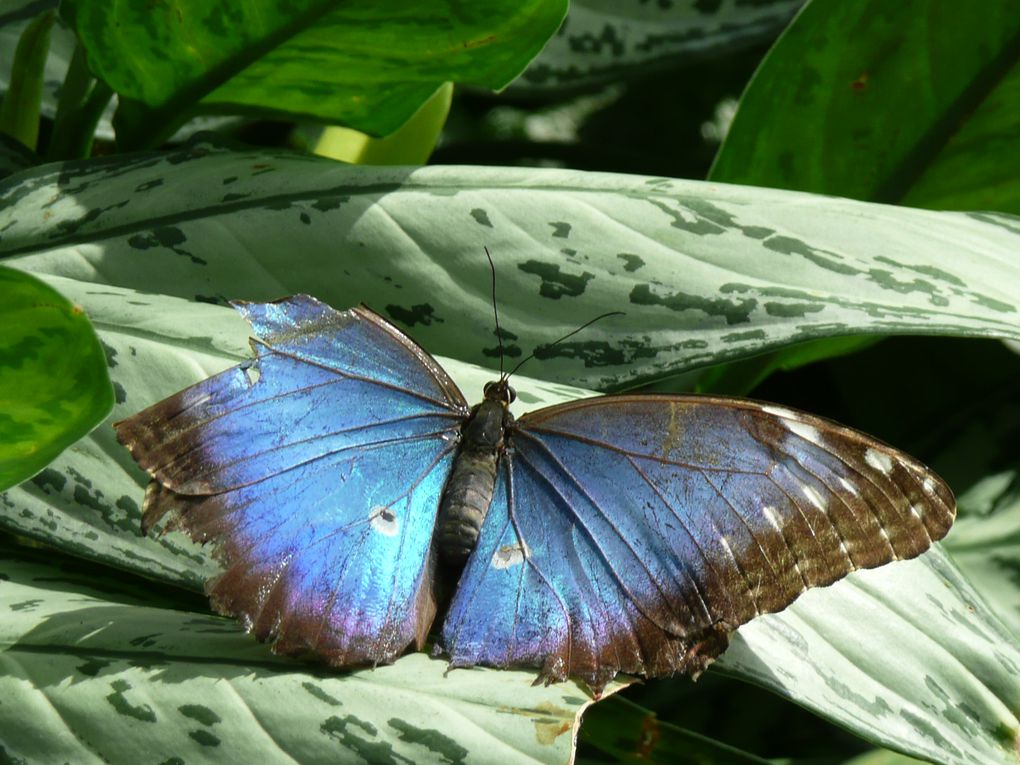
column 88, row 679
column 907, row 655
column 882, row 757
column 601, row 41
column 75, row 498
column 705, row 272
column 985, row 542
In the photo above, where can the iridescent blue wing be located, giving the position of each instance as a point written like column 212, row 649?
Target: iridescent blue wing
column 633, row 533
column 316, row 470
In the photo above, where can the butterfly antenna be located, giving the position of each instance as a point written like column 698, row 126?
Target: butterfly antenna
column 566, row 336
column 495, row 313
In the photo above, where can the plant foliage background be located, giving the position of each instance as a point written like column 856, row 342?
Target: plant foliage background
column 814, row 204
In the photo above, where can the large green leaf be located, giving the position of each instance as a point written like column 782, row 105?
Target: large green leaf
column 209, row 224
column 601, row 41
column 88, row 502
column 90, row 672
column 940, row 680
column 705, row 272
column 363, row 64
column 53, row 383
column 913, row 102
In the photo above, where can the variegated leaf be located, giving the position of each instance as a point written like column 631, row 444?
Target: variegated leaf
column 907, row 655
column 705, row 272
column 601, row 41
column 74, row 500
column 91, row 672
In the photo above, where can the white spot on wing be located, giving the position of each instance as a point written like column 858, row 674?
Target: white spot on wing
column 849, row 486
column 814, row 497
column 509, row 555
column 881, row 462
column 771, row 517
column 805, row 431
column 779, row 411
column 725, row 542
column 384, row 520
column 928, row 485
column 917, row 510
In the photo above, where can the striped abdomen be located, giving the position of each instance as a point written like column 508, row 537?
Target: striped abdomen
column 469, row 489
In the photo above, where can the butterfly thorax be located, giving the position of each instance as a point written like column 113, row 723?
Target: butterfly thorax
column 469, row 488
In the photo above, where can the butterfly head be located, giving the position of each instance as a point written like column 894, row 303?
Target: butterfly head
column 500, row 391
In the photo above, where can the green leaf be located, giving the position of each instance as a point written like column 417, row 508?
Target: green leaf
column 602, row 41
column 410, row 145
column 911, row 102
column 209, row 224
column 985, row 542
column 92, row 674
column 705, row 272
column 53, row 383
column 631, row 734
column 739, row 378
column 907, row 656
column 19, row 112
column 88, row 502
column 362, row 64
column 882, row 757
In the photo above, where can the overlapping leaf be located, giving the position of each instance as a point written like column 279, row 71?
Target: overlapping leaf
column 912, row 102
column 363, row 64
column 704, row 272
column 53, row 383
column 600, row 41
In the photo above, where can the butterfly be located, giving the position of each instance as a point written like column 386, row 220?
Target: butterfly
column 351, row 493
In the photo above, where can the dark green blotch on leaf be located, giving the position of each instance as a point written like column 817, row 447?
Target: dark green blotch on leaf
column 423, row 313
column 433, row 740
column 120, row 703
column 555, row 282
column 481, row 217
column 734, row 311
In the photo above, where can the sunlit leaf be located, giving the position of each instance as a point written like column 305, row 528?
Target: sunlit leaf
column 362, row 64
column 911, row 102
column 91, row 673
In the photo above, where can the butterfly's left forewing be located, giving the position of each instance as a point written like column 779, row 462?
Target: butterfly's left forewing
column 633, row 533
column 316, row 470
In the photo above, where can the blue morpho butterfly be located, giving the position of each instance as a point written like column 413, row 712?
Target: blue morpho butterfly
column 341, row 476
